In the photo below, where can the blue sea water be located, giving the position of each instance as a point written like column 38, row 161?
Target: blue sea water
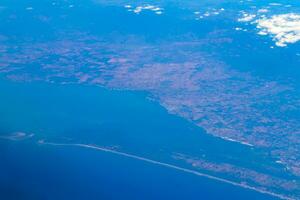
column 41, row 172
column 127, row 119
column 94, row 115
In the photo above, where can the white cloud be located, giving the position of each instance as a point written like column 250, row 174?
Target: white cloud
column 212, row 12
column 284, row 28
column 275, row 4
column 247, row 17
column 139, row 9
column 263, row 10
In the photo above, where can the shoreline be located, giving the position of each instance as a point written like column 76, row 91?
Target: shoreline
column 155, row 162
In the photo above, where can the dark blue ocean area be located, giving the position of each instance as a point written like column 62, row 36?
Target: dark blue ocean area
column 167, row 99
column 32, row 171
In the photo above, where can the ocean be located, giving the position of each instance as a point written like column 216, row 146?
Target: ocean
column 107, row 118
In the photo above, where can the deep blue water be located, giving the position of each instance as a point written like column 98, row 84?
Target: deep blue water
column 127, row 120
column 34, row 172
column 87, row 114
column 94, row 115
